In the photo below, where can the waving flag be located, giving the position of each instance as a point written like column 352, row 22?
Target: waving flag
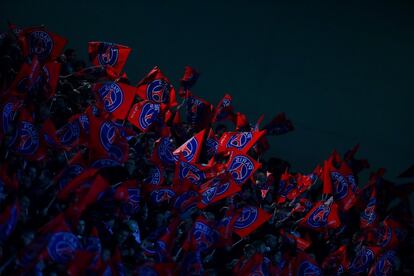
column 217, row 189
column 26, row 139
column 241, row 141
column 69, row 134
column 364, row 258
column 305, row 265
column 339, row 182
column 369, row 216
column 188, row 80
column 144, row 114
column 155, row 87
column 199, row 112
column 337, row 261
column 202, row 237
column 249, row 219
column 241, row 167
column 187, row 173
column 109, row 55
column 117, row 98
column 323, row 215
column 385, row 264
column 162, row 193
column 224, row 110
column 26, row 81
column 46, row 45
column 186, row 202
column 279, row 125
column 163, row 152
column 191, row 149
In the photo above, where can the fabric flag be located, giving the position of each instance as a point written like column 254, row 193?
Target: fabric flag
column 8, row 221
column 191, row 149
column 294, row 238
column 86, row 176
column 249, row 219
column 49, row 78
column 144, row 114
column 202, row 237
column 225, row 226
column 369, row 216
column 199, row 112
column 155, row 87
column 166, row 242
column 130, row 194
column 240, row 141
column 304, row 264
column 46, row 45
column 279, row 125
column 110, row 55
column 241, row 122
column 223, row 110
column 217, row 189
column 161, row 194
column 255, row 265
column 385, row 264
column 364, row 258
column 69, row 134
column 155, row 176
column 187, row 174
column 26, row 81
column 186, row 202
column 339, row 182
column 26, row 139
column 323, row 215
column 117, row 98
column 210, row 145
column 390, row 234
column 241, row 167
column 105, row 140
column 162, row 154
column 188, row 80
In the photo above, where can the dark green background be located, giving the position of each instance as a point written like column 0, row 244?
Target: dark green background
column 343, row 72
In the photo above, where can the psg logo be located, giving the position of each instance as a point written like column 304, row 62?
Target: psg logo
column 307, row 268
column 108, row 55
column 69, row 133
column 204, row 235
column 165, row 149
column 154, row 176
column 247, row 217
column 84, row 122
column 319, row 216
column 148, row 115
column 107, row 135
column 40, row 44
column 62, row 247
column 340, row 185
column 362, row 260
column 112, row 96
column 158, row 91
column 191, row 173
column 385, row 265
column 190, row 149
column 214, row 191
column 211, row 146
column 240, row 168
column 29, row 139
column 239, row 140
column 369, row 213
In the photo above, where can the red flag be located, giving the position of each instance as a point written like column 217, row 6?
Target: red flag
column 110, row 55
column 144, row 114
column 117, row 98
column 241, row 121
column 217, row 189
column 336, row 261
column 46, row 45
column 27, row 79
column 224, row 110
column 8, row 221
column 9, row 111
column 279, row 125
column 188, row 80
column 241, row 141
column 191, row 149
column 49, row 78
column 249, row 219
column 323, row 215
column 199, row 112
column 241, row 167
column 156, row 87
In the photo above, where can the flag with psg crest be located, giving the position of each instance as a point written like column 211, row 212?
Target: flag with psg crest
column 116, row 98
column 110, row 55
column 249, row 219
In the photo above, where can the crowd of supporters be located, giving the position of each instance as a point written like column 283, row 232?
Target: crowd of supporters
column 101, row 176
